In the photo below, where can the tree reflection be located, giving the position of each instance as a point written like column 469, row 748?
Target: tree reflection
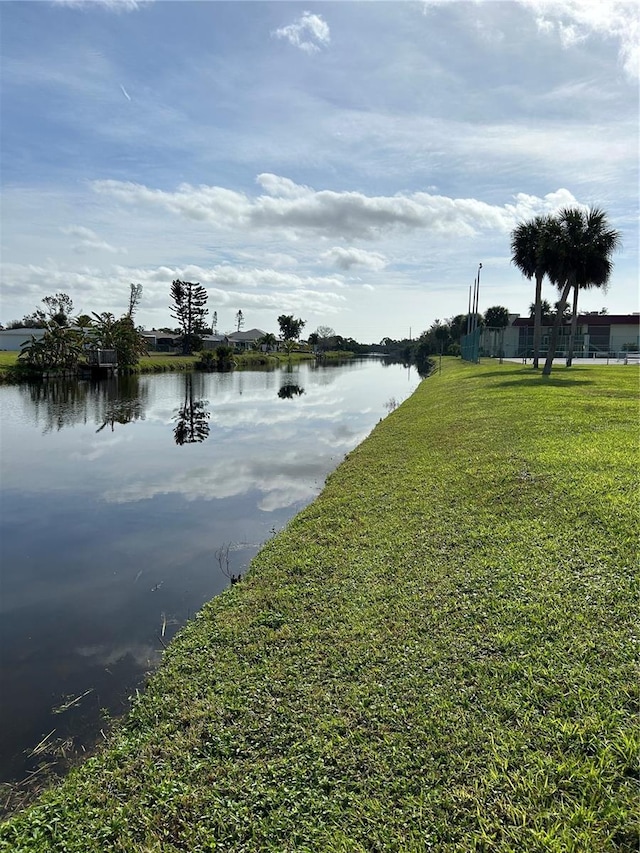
column 289, row 391
column 122, row 401
column 192, row 418
column 59, row 403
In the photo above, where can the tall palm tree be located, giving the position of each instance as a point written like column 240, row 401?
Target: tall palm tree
column 529, row 249
column 581, row 257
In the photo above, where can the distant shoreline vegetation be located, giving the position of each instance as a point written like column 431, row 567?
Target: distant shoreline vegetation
column 13, row 371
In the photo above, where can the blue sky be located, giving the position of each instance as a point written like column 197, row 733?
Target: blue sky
column 348, row 163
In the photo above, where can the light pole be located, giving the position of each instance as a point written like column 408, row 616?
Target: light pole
column 477, row 295
column 475, row 310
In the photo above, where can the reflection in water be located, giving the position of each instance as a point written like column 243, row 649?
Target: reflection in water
column 84, row 612
column 289, row 391
column 59, row 403
column 192, row 419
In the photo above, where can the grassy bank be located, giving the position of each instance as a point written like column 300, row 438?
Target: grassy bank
column 435, row 655
column 12, row 371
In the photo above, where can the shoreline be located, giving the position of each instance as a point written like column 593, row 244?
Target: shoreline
column 405, row 665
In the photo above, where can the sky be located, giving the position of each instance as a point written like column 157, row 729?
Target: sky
column 350, row 163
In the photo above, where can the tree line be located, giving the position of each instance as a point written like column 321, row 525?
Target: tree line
column 66, row 339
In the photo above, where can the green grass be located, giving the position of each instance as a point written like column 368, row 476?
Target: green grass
column 159, row 362
column 162, row 362
column 436, row 655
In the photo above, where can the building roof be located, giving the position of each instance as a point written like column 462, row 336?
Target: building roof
column 592, row 320
column 249, row 335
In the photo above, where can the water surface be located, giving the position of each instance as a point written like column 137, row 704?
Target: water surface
column 116, row 498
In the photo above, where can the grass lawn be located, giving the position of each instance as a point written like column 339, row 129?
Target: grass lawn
column 435, row 655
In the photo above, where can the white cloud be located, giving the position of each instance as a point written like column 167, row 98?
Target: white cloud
column 291, row 480
column 576, row 20
column 309, row 33
column 301, row 210
column 346, row 258
column 111, row 5
column 88, row 240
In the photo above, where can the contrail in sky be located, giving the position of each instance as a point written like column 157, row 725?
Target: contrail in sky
column 125, row 93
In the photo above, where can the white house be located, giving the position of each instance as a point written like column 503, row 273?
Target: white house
column 12, row 339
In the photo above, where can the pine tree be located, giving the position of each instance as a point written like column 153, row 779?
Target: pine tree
column 189, row 309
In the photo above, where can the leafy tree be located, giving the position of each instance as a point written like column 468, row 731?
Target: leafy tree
column 531, row 244
column 120, row 335
column 290, row 330
column 189, row 309
column 60, row 348
column 37, row 320
column 59, row 308
column 135, row 295
column 497, row 318
column 84, row 321
column 239, row 319
column 457, row 327
column 582, row 251
column 224, row 355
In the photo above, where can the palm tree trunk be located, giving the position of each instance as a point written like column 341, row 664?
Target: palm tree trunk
column 574, row 325
column 555, row 331
column 537, row 322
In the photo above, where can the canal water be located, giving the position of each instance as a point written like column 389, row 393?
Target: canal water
column 128, row 503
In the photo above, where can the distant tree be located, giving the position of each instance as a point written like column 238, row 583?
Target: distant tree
column 37, row 320
column 531, row 247
column 325, row 332
column 313, row 339
column 239, row 319
column 325, row 338
column 83, row 320
column 497, row 318
column 59, row 308
column 546, row 311
column 189, row 309
column 290, row 330
column 224, row 356
column 457, row 327
column 120, row 335
column 268, row 341
column 603, row 311
column 135, row 295
column 60, row 348
column 583, row 247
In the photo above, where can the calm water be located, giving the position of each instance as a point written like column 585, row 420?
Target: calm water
column 116, row 497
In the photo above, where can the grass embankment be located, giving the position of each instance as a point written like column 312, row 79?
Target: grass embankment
column 12, row 371
column 435, row 655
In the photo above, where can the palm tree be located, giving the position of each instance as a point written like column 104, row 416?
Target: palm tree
column 545, row 309
column 581, row 257
column 529, row 249
column 268, row 341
